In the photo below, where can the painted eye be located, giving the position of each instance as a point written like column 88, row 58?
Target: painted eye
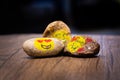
column 40, row 41
column 64, row 35
column 47, row 40
column 57, row 35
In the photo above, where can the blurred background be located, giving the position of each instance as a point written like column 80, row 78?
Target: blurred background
column 82, row 16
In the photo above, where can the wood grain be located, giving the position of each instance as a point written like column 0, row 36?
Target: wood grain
column 16, row 65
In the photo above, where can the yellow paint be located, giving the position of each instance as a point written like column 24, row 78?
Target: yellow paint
column 81, row 40
column 44, row 44
column 62, row 35
column 73, row 46
column 76, row 43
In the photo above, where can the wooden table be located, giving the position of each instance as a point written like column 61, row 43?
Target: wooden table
column 16, row 65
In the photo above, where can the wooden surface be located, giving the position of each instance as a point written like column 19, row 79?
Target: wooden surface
column 16, row 65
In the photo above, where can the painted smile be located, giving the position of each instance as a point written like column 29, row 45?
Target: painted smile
column 74, row 47
column 46, row 46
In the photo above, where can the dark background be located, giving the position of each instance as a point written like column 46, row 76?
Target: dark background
column 32, row 16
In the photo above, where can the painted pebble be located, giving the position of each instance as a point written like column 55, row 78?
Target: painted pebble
column 38, row 47
column 82, row 46
column 59, row 30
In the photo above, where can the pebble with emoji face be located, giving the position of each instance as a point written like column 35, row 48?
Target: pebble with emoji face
column 39, row 47
column 58, row 29
column 82, row 46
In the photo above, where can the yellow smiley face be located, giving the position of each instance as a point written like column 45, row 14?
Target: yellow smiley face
column 73, row 46
column 44, row 44
column 76, row 43
column 62, row 35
